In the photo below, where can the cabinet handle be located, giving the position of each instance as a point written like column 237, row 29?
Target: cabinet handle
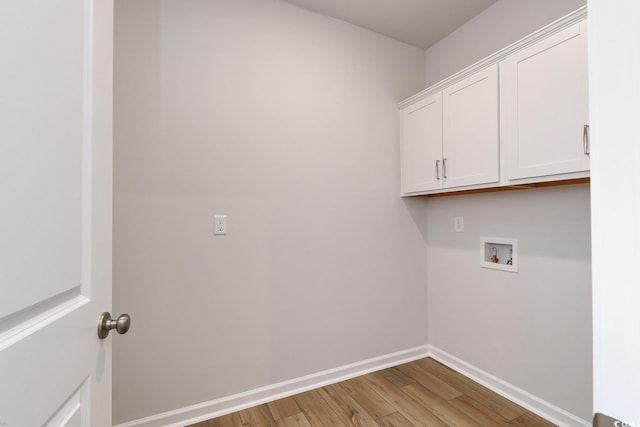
column 437, row 169
column 586, row 143
column 444, row 168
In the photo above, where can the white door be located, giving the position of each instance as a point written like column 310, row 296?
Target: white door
column 471, row 130
column 422, row 145
column 546, row 106
column 55, row 211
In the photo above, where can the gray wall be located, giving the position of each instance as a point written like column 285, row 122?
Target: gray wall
column 503, row 23
column 286, row 121
column 531, row 329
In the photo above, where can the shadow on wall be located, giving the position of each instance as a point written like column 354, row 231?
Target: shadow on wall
column 416, row 207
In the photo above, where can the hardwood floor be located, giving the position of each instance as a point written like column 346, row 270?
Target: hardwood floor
column 420, row 393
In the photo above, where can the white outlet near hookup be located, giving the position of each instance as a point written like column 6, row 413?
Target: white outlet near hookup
column 220, row 224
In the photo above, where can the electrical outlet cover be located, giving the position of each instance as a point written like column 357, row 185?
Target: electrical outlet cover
column 220, row 224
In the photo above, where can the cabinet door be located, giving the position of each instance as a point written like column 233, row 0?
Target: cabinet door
column 546, row 106
column 471, row 130
column 422, row 145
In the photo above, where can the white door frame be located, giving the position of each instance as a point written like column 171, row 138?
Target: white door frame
column 614, row 63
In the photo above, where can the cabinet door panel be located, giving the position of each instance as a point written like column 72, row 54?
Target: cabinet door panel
column 471, row 130
column 421, row 145
column 545, row 95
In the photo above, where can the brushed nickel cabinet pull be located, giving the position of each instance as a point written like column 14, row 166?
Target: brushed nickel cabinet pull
column 444, row 168
column 586, row 143
column 437, row 169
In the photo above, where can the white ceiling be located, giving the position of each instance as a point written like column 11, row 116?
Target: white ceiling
column 418, row 22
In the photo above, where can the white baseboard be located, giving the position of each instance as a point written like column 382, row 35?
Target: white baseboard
column 226, row 405
column 527, row 400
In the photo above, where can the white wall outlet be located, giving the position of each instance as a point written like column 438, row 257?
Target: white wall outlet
column 458, row 223
column 220, row 224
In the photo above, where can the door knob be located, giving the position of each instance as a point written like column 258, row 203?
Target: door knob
column 106, row 324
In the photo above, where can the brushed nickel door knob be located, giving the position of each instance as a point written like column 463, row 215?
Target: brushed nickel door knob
column 106, row 324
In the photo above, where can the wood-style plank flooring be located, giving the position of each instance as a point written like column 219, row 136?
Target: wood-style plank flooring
column 420, row 393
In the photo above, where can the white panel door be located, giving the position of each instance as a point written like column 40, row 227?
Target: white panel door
column 471, row 130
column 55, row 211
column 422, row 145
column 546, row 106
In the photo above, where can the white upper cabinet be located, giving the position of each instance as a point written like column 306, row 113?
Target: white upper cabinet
column 421, row 144
column 517, row 117
column 450, row 138
column 470, row 148
column 544, row 106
